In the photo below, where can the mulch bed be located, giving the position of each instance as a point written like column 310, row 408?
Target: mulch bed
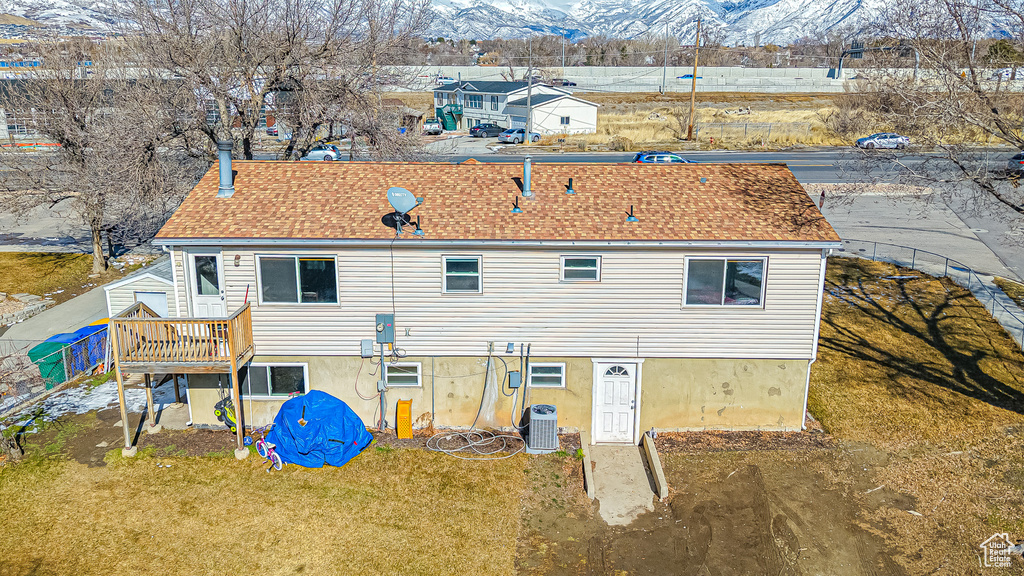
column 196, row 442
column 726, row 441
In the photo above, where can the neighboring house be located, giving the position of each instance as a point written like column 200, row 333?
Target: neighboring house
column 152, row 285
column 699, row 311
column 555, row 114
column 462, row 105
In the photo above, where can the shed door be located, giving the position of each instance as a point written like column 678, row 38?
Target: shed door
column 615, row 403
column 157, row 301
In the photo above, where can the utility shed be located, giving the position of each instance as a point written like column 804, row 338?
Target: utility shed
column 152, row 285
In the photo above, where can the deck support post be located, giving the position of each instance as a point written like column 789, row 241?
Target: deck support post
column 153, row 427
column 241, row 452
column 128, row 449
column 177, row 391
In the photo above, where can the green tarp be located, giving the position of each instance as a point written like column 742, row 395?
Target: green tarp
column 50, row 359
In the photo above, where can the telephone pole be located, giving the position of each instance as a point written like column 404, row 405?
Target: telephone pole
column 664, row 67
column 693, row 89
column 529, row 95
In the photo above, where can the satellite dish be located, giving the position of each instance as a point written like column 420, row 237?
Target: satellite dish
column 401, row 199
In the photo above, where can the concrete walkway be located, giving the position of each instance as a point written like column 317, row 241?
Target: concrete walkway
column 65, row 317
column 623, row 487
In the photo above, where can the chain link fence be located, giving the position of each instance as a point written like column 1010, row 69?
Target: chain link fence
column 1002, row 308
column 29, row 370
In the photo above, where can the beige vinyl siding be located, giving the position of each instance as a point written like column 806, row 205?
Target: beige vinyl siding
column 182, row 302
column 123, row 296
column 640, row 294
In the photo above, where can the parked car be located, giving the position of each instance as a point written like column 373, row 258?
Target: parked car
column 432, row 126
column 442, row 80
column 562, row 82
column 659, row 157
column 326, row 152
column 1015, row 165
column 884, row 140
column 485, row 130
column 688, row 77
column 516, row 135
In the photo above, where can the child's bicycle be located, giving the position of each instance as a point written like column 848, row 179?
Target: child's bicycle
column 266, row 449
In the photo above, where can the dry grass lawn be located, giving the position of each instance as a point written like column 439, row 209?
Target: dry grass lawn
column 1015, row 290
column 42, row 273
column 386, row 512
column 918, row 369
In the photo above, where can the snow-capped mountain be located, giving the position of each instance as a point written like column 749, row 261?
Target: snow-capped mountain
column 74, row 13
column 738, row 21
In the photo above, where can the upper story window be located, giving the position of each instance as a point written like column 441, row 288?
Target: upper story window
column 581, row 268
column 494, row 102
column 474, row 101
column 724, row 281
column 564, row 120
column 462, row 273
column 297, row 280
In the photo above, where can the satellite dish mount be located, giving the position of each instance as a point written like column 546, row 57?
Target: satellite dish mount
column 403, row 202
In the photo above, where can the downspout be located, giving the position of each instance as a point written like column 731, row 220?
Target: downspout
column 817, row 331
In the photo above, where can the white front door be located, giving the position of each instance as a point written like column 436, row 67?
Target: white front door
column 614, row 402
column 207, row 285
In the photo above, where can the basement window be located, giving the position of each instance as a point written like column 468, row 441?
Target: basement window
column 461, row 274
column 297, row 280
column 581, row 268
column 546, row 375
column 273, row 380
column 724, row 282
column 402, row 375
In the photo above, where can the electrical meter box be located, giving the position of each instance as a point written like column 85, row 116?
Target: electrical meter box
column 385, row 328
column 366, row 348
column 514, row 379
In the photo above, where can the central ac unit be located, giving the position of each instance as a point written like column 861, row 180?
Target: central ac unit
column 542, row 434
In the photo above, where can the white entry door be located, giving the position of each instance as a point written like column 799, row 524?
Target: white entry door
column 614, row 402
column 207, row 285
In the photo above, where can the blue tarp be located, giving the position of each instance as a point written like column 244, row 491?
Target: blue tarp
column 332, row 433
column 87, row 346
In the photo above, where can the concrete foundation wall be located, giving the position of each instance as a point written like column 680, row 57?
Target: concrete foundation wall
column 676, row 394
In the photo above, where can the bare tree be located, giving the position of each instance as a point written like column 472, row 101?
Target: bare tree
column 113, row 163
column 934, row 85
column 327, row 57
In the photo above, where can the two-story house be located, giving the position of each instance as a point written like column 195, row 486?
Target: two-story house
column 462, row 105
column 630, row 296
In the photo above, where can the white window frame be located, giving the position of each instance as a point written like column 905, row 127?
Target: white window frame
column 494, row 102
column 479, row 273
column 561, row 267
column 529, row 376
column 305, row 379
column 298, row 280
column 419, row 374
column 725, row 259
column 471, row 99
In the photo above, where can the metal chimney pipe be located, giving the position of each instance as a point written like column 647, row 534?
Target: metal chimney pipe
column 227, row 176
column 527, row 170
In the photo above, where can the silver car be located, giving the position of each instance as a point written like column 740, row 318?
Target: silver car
column 884, row 140
column 326, row 152
column 517, row 135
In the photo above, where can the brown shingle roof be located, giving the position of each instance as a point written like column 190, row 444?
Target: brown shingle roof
column 473, row 201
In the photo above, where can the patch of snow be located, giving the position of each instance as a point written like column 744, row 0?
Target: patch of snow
column 80, row 399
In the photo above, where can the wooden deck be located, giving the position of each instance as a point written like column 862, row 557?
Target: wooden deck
column 144, row 342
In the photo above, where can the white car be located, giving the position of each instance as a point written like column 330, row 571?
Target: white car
column 884, row 140
column 442, row 80
column 328, row 152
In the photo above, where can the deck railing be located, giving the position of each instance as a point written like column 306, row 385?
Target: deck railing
column 140, row 336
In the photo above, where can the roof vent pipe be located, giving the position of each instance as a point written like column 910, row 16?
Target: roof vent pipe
column 527, row 170
column 227, row 176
